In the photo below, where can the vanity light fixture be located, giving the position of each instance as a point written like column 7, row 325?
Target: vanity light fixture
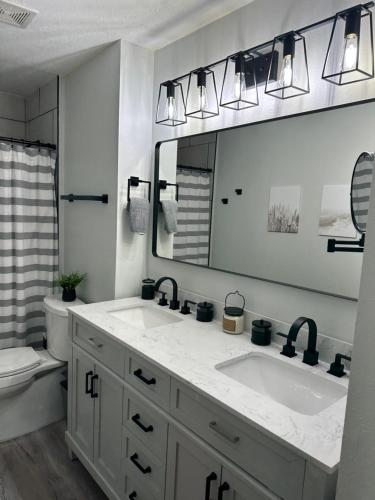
column 350, row 54
column 239, row 89
column 349, row 59
column 201, row 101
column 171, row 104
column 289, row 54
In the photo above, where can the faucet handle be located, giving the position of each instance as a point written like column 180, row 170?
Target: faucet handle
column 185, row 309
column 288, row 349
column 337, row 369
column 162, row 301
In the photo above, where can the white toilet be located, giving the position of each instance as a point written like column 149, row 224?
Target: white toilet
column 58, row 344
column 30, row 379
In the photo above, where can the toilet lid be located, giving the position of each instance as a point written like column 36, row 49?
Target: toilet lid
column 17, row 360
column 54, row 304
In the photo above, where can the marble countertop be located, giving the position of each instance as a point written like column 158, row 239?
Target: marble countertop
column 190, row 350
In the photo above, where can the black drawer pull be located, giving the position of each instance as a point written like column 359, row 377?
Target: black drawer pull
column 88, row 389
column 133, row 495
column 223, row 433
column 93, row 394
column 137, row 420
column 144, row 470
column 209, row 479
column 138, row 374
column 224, row 487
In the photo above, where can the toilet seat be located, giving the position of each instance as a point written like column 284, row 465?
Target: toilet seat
column 17, row 360
column 18, row 365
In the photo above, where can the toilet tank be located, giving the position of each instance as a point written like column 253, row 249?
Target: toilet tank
column 58, row 343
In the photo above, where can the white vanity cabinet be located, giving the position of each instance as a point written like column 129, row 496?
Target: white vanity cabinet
column 96, row 414
column 144, row 435
column 195, row 470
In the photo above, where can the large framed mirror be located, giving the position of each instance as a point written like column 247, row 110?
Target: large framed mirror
column 262, row 200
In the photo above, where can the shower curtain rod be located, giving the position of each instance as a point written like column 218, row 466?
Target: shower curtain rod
column 28, row 143
column 197, row 169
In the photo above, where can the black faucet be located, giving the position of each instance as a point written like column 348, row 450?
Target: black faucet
column 174, row 303
column 310, row 355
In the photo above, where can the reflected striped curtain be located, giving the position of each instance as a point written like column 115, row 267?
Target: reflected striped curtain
column 192, row 240
column 28, row 241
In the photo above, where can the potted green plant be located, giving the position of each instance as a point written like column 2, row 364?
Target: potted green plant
column 68, row 283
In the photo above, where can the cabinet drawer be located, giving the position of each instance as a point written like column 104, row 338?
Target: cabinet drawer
column 100, row 346
column 276, row 467
column 145, row 421
column 143, row 467
column 148, row 379
column 136, row 491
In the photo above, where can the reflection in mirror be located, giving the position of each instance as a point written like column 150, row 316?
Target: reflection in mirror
column 361, row 189
column 262, row 200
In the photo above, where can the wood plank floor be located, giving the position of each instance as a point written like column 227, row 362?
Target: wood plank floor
column 37, row 467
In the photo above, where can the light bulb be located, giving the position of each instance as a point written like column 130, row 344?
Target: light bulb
column 171, row 108
column 239, row 85
column 286, row 74
column 203, row 97
column 349, row 61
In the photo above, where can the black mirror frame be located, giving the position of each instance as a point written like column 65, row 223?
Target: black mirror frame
column 331, row 243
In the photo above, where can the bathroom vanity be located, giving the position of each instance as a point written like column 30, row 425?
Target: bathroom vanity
column 164, row 407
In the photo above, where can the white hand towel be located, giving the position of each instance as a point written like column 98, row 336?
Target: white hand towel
column 139, row 213
column 170, row 208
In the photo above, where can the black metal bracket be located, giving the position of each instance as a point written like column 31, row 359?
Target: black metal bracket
column 78, row 197
column 164, row 185
column 135, row 182
column 260, row 65
column 346, row 246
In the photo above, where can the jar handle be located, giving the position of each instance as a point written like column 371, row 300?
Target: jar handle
column 235, row 293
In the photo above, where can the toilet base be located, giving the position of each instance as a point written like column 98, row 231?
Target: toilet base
column 38, row 403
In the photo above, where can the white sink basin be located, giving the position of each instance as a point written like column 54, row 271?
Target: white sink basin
column 144, row 317
column 294, row 387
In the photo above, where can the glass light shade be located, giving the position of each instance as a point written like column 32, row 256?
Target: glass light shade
column 171, row 105
column 290, row 58
column 201, row 101
column 350, row 54
column 239, row 89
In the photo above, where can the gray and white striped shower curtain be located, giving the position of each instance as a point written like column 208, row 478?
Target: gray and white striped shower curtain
column 28, row 241
column 192, row 240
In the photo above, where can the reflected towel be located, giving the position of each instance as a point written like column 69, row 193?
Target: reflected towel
column 139, row 213
column 170, row 215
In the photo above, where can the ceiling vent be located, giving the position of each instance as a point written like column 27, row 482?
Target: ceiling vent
column 11, row 13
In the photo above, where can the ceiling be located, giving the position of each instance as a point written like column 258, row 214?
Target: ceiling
column 67, row 32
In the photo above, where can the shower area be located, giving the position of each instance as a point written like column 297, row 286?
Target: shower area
column 28, row 213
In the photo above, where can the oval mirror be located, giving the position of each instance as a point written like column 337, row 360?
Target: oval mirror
column 361, row 189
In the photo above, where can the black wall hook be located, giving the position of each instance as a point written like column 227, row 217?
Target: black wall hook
column 224, row 201
column 238, row 191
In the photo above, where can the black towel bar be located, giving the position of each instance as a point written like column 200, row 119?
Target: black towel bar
column 78, row 197
column 135, row 182
column 164, row 184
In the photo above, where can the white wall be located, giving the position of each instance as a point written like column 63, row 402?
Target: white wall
column 106, row 136
column 42, row 114
column 91, row 108
column 134, row 157
column 12, row 116
column 247, row 27
column 279, row 154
